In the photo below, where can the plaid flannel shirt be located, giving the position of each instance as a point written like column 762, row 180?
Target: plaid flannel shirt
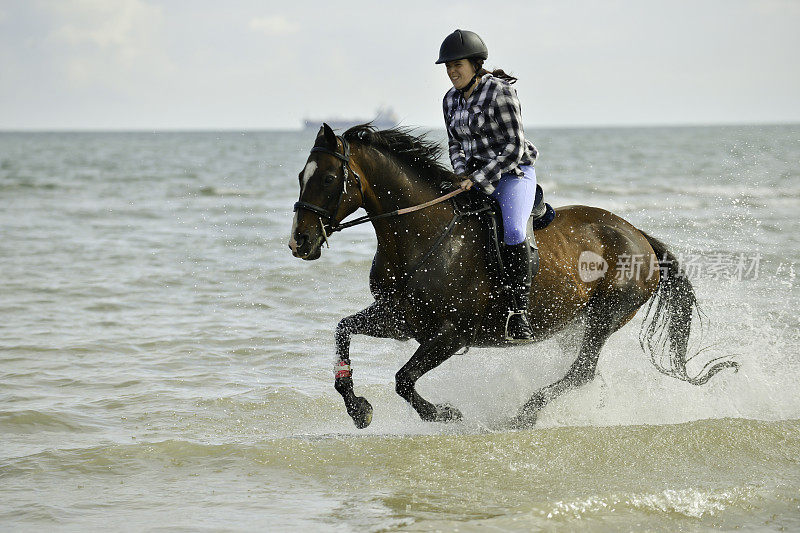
column 485, row 132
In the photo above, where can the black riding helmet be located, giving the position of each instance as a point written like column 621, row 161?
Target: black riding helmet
column 462, row 44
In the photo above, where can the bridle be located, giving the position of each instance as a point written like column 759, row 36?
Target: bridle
column 321, row 211
column 346, row 169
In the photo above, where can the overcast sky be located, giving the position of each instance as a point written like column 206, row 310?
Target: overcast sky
column 240, row 64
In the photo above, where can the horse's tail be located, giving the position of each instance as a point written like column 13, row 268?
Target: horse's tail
column 668, row 321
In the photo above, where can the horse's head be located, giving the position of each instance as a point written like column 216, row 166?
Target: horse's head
column 329, row 191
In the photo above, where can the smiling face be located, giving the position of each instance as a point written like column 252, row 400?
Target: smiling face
column 460, row 72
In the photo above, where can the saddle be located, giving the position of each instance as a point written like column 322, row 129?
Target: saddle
column 473, row 202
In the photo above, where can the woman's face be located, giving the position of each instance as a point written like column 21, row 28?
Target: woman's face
column 460, row 72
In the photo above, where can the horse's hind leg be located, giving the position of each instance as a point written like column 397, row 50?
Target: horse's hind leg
column 428, row 356
column 600, row 324
column 377, row 320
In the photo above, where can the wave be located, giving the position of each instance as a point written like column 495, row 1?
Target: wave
column 728, row 444
column 211, row 190
column 649, row 188
column 699, row 472
column 32, row 421
column 13, row 184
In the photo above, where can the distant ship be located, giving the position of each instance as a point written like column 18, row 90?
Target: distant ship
column 385, row 118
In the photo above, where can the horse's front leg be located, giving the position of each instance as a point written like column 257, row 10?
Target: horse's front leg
column 428, row 356
column 377, row 320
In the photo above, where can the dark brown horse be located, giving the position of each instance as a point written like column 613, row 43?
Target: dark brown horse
column 432, row 282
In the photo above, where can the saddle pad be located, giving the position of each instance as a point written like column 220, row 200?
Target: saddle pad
column 543, row 220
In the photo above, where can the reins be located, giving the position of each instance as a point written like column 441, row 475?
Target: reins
column 334, row 227
column 397, row 212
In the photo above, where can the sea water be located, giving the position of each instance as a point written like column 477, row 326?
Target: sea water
column 166, row 364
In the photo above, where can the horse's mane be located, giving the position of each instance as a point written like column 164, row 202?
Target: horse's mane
column 417, row 152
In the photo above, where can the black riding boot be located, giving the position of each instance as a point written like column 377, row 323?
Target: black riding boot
column 517, row 275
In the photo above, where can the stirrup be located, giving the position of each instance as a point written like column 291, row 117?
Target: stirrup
column 508, row 319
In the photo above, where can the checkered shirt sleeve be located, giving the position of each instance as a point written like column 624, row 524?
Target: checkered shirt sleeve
column 506, row 131
column 457, row 157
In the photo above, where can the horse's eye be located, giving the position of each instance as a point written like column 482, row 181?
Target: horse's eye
column 329, row 179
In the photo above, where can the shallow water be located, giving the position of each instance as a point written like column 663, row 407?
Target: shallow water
column 166, row 363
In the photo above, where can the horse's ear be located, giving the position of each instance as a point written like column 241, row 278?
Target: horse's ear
column 326, row 137
column 330, row 137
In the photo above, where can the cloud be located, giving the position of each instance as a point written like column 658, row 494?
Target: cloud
column 273, row 25
column 110, row 43
column 104, row 24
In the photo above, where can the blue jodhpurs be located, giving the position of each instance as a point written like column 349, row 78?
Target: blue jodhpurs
column 516, row 196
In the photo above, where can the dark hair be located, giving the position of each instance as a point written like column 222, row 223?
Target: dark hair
column 497, row 73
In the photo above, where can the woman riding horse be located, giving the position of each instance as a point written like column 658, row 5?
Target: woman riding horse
column 431, row 279
column 488, row 148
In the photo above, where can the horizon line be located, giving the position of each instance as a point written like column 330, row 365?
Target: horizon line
column 528, row 127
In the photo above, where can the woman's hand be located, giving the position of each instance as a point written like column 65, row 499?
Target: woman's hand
column 465, row 185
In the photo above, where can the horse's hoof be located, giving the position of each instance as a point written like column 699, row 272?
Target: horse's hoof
column 360, row 412
column 447, row 413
